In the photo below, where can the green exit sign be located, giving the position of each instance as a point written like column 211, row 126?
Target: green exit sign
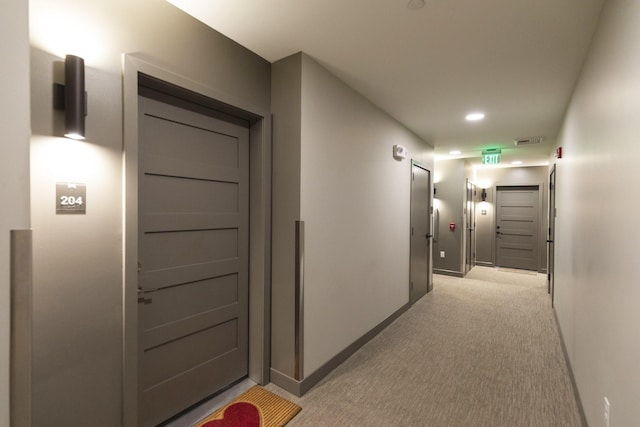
column 491, row 159
column 491, row 156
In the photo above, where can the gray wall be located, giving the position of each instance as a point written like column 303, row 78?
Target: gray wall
column 597, row 233
column 450, row 182
column 14, row 162
column 489, row 178
column 355, row 201
column 78, row 259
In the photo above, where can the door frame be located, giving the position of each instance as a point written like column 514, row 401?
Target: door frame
column 541, row 218
column 259, row 218
column 430, row 224
column 470, row 229
column 551, row 236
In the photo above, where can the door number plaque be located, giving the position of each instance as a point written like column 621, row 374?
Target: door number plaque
column 71, row 198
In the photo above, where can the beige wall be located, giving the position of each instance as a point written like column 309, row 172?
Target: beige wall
column 78, row 285
column 14, row 162
column 597, row 233
column 355, row 201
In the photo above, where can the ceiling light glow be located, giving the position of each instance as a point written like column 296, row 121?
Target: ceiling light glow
column 474, row 117
column 455, row 152
column 516, row 162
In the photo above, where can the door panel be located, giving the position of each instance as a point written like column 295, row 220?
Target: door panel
column 176, row 195
column 420, row 232
column 193, row 258
column 175, row 303
column 177, row 248
column 517, row 227
column 177, row 356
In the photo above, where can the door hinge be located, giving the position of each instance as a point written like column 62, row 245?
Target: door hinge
column 411, row 285
column 412, row 231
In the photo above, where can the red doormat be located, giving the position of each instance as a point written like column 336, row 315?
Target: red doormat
column 256, row 407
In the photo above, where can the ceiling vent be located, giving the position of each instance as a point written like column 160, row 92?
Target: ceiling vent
column 528, row 141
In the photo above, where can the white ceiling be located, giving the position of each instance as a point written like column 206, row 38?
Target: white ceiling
column 515, row 60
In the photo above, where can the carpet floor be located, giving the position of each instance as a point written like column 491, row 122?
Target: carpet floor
column 479, row 351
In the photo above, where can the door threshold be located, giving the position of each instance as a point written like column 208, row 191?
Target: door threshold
column 517, row 270
column 207, row 407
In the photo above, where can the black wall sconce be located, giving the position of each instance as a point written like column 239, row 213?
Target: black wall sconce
column 484, row 194
column 72, row 98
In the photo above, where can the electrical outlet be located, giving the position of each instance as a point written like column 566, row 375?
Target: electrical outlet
column 607, row 412
column 441, row 254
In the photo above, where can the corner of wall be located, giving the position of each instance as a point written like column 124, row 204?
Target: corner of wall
column 449, row 201
column 14, row 174
column 286, row 77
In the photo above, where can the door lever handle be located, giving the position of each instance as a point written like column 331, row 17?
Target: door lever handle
column 429, row 236
column 141, row 294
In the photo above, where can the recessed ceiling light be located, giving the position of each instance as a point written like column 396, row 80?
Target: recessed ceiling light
column 415, row 4
column 455, row 152
column 517, row 162
column 474, row 117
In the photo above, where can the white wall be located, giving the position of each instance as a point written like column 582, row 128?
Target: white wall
column 597, row 235
column 14, row 161
column 355, row 201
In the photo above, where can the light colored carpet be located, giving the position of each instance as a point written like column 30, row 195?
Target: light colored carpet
column 480, row 351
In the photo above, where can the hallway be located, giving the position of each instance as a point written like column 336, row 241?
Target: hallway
column 478, row 351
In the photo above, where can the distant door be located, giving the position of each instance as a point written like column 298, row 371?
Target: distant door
column 420, row 232
column 517, row 229
column 193, row 257
column 471, row 227
column 552, row 232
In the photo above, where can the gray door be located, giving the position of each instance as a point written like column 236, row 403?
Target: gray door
column 552, row 232
column 471, row 227
column 420, row 232
column 517, row 227
column 193, row 259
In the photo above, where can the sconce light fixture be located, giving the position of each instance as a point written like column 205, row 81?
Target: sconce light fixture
column 484, row 194
column 72, row 97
